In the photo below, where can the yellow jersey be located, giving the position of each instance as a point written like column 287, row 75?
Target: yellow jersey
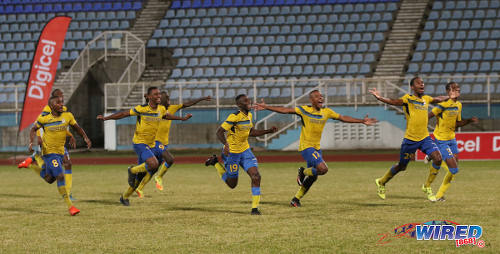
column 146, row 126
column 447, row 114
column 164, row 128
column 313, row 122
column 238, row 126
column 46, row 111
column 416, row 113
column 54, row 129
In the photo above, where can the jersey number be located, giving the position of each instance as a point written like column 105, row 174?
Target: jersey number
column 316, row 155
column 449, row 151
column 233, row 168
column 55, row 163
column 407, row 156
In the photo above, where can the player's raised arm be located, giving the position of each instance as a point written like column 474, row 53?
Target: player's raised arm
column 258, row 133
column 282, row 110
column 395, row 102
column 365, row 121
column 193, row 102
column 467, row 121
column 173, row 117
column 115, row 116
column 221, row 135
column 82, row 133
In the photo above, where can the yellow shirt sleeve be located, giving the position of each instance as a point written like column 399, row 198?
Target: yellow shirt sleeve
column 459, row 117
column 39, row 122
column 437, row 109
column 427, row 98
column 332, row 114
column 71, row 119
column 298, row 111
column 405, row 98
column 229, row 122
column 135, row 111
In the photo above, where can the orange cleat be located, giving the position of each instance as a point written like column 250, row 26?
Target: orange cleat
column 139, row 193
column 73, row 211
column 25, row 163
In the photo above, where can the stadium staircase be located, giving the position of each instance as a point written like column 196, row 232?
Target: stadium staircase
column 403, row 37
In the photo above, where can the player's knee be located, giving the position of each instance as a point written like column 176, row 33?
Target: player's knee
column 60, row 177
column 231, row 183
column 255, row 177
column 400, row 167
column 322, row 171
column 49, row 179
column 67, row 164
column 169, row 161
column 153, row 165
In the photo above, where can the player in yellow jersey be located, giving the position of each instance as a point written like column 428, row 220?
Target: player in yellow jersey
column 55, row 126
column 314, row 118
column 148, row 119
column 237, row 152
column 415, row 107
column 161, row 141
column 449, row 116
column 37, row 156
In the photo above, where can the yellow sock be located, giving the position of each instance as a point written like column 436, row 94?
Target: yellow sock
column 220, row 169
column 255, row 201
column 310, row 171
column 301, row 192
column 138, row 169
column 144, row 181
column 68, row 178
column 388, row 176
column 433, row 172
column 163, row 170
column 64, row 193
column 35, row 168
column 448, row 178
column 39, row 160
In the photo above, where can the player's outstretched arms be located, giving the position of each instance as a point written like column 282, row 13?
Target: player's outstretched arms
column 365, row 121
column 467, row 121
column 173, row 117
column 440, row 99
column 257, row 133
column 193, row 102
column 221, row 135
column 395, row 102
column 82, row 133
column 32, row 137
column 115, row 116
column 282, row 110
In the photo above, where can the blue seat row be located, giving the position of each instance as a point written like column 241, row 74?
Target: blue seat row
column 462, row 4
column 461, row 35
column 462, row 24
column 91, row 15
column 472, row 67
column 70, row 7
column 6, row 2
column 466, row 14
column 459, row 55
column 456, row 45
column 177, row 4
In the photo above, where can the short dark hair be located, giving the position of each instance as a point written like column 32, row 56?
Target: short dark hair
column 55, row 91
column 315, row 90
column 151, row 88
column 53, row 97
column 164, row 93
column 239, row 96
column 448, row 86
column 412, row 81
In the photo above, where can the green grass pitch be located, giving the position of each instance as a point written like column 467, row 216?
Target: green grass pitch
column 197, row 213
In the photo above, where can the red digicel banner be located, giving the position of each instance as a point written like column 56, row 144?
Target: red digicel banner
column 43, row 69
column 475, row 146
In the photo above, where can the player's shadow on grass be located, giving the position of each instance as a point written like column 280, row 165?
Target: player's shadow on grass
column 204, row 209
column 13, row 195
column 276, row 203
column 23, row 210
column 405, row 197
column 102, row 202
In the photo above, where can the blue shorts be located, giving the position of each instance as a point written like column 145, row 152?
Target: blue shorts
column 409, row 147
column 143, row 152
column 233, row 161
column 312, row 156
column 447, row 148
column 53, row 164
column 158, row 151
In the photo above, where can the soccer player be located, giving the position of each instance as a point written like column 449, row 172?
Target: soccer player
column 314, row 118
column 148, row 118
column 161, row 142
column 36, row 156
column 55, row 126
column 415, row 107
column 449, row 116
column 237, row 152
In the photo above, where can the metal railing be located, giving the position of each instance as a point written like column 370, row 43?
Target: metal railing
column 106, row 44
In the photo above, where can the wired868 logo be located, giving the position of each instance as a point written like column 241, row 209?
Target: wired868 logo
column 437, row 230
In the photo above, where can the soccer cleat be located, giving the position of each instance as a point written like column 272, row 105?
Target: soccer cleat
column 428, row 191
column 73, row 211
column 427, row 159
column 295, row 202
column 255, row 211
column 131, row 178
column 441, row 199
column 380, row 189
column 124, row 202
column 140, row 193
column 159, row 183
column 25, row 163
column 300, row 176
column 211, row 161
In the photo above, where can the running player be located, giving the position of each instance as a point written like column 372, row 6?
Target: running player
column 449, row 116
column 55, row 126
column 415, row 107
column 148, row 118
column 161, row 141
column 37, row 156
column 314, row 118
column 237, row 152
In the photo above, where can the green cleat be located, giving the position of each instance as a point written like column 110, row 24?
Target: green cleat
column 159, row 183
column 380, row 189
column 428, row 191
